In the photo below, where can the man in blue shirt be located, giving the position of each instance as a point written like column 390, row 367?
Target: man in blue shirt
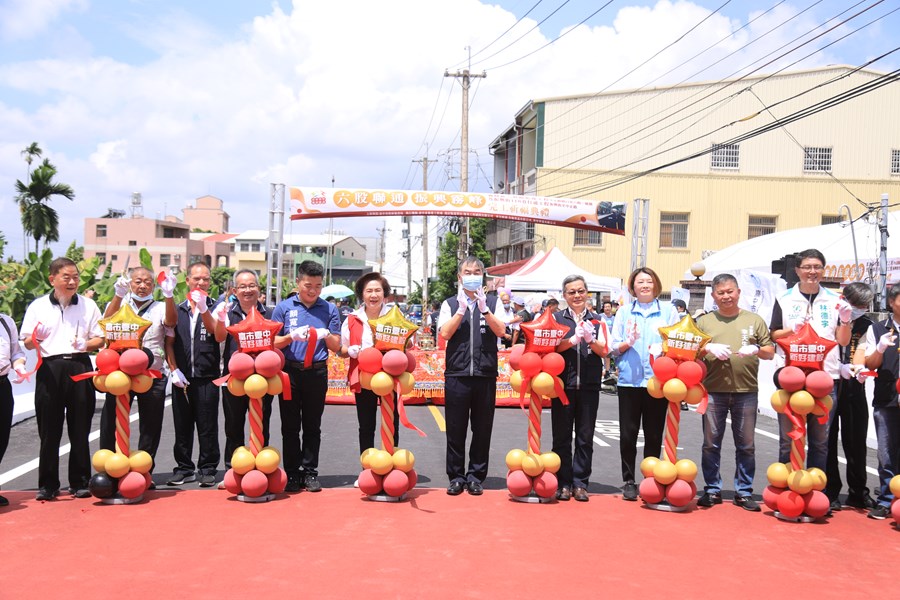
column 311, row 328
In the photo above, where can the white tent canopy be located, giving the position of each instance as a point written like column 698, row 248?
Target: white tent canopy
column 547, row 270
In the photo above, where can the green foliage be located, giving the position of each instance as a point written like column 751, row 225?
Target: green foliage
column 39, row 219
column 222, row 276
column 415, row 297
column 2, row 244
column 74, row 252
column 21, row 283
column 146, row 259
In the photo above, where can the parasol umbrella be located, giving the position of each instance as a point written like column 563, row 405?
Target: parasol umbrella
column 336, row 290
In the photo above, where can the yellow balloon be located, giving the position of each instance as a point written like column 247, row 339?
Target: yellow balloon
column 655, row 388
column 800, row 482
column 381, row 462
column 267, row 461
column 647, row 466
column 777, row 474
column 100, row 383
column 256, row 386
column 675, row 390
column 686, row 469
column 117, row 465
column 243, row 461
column 827, row 401
column 140, row 461
column 515, row 382
column 694, row 395
column 818, row 477
column 780, row 400
column 118, row 383
column 275, row 385
column 404, row 460
column 407, row 382
column 273, row 449
column 551, row 461
column 665, row 472
column 894, row 486
column 98, row 461
column 141, row 383
column 543, row 384
column 365, row 456
column 392, row 331
column 532, row 465
column 514, row 459
column 802, row 402
column 365, row 380
column 382, row 383
column 236, row 386
column 683, row 340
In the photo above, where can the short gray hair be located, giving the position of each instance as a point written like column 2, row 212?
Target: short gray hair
column 724, row 278
column 470, row 260
column 573, row 278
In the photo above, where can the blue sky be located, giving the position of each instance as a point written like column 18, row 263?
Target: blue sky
column 180, row 99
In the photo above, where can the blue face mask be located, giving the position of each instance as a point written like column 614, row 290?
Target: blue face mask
column 232, row 298
column 857, row 313
column 471, row 283
column 137, row 298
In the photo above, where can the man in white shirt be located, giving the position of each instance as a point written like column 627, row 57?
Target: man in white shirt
column 12, row 358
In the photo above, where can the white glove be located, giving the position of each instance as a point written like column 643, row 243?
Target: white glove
column 587, row 331
column 481, row 299
column 41, row 332
column 846, row 371
column 886, row 341
column 578, row 335
column 178, row 378
column 748, row 350
column 199, row 300
column 845, row 311
column 862, row 375
column 655, row 350
column 632, row 335
column 720, row 351
column 322, row 333
column 463, row 300
column 353, row 351
column 122, row 286
column 79, row 344
column 798, row 324
column 301, row 334
column 168, row 285
column 20, row 371
column 219, row 312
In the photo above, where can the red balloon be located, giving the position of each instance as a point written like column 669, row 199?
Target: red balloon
column 277, row 481
column 280, row 357
column 133, row 361
column 543, row 334
column 413, row 479
column 819, row 383
column 664, row 368
column 518, row 483
column 412, row 363
column 515, row 355
column 895, row 510
column 791, row 504
column 770, row 496
column 553, row 363
column 702, row 368
column 817, row 504
column 267, row 363
column 690, row 373
column 107, row 361
column 395, row 483
column 132, row 485
column 530, row 364
column 240, row 365
column 791, row 379
column 254, row 483
column 394, row 362
column 370, row 482
column 679, row 493
column 545, row 484
column 652, row 491
column 233, row 481
column 370, row 360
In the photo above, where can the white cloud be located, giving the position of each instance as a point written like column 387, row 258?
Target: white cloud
column 23, row 19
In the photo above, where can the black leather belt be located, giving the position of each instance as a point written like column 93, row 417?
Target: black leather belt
column 298, row 366
column 64, row 356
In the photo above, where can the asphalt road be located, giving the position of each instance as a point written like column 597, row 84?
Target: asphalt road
column 339, row 460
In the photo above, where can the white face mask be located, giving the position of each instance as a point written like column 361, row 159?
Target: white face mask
column 471, row 283
column 137, row 298
column 857, row 313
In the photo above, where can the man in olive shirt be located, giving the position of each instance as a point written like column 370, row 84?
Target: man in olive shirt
column 739, row 339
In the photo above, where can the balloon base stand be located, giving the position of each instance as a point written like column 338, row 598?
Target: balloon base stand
column 531, row 498
column 120, row 500
column 257, row 499
column 386, row 498
column 666, row 507
column 800, row 519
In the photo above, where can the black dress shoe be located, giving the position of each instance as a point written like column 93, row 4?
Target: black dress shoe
column 293, row 484
column 4, row 501
column 747, row 503
column 475, row 488
column 455, row 488
column 709, row 500
column 46, row 494
column 629, row 491
column 564, row 493
column 581, row 494
column 865, row 501
column 81, row 492
column 311, row 483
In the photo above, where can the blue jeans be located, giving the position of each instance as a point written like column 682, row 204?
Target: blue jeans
column 742, row 407
column 887, row 431
column 816, row 439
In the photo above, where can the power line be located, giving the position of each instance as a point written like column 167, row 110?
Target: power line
column 496, row 39
column 523, row 35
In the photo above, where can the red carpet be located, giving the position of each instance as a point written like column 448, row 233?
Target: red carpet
column 201, row 544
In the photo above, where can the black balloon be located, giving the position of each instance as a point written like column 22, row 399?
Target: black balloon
column 102, row 485
column 149, row 357
column 775, row 377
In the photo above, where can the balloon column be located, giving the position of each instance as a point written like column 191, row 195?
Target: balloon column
column 122, row 477
column 386, row 368
column 795, row 493
column 895, row 503
column 537, row 367
column 677, row 376
column 254, row 371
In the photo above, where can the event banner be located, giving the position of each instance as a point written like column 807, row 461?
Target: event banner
column 318, row 203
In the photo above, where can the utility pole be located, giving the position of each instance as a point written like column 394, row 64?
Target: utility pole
column 329, row 258
column 425, row 269
column 407, row 220
column 382, row 231
column 465, row 76
column 882, row 255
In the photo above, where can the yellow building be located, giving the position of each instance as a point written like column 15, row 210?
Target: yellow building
column 720, row 162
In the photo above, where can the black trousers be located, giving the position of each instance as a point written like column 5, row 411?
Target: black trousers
column 581, row 413
column 196, row 405
column 6, row 413
column 303, row 413
column 235, row 409
column 469, row 398
column 151, row 408
column 58, row 399
column 638, row 408
column 850, row 416
column 367, row 415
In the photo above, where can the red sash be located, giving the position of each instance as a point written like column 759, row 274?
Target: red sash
column 355, row 325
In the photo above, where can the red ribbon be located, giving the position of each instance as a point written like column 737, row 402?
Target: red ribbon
column 824, row 418
column 799, row 424
column 560, row 392
column 37, row 349
column 704, row 402
column 285, row 386
column 401, row 410
column 310, row 348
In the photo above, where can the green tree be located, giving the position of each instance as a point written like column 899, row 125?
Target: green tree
column 75, row 252
column 2, row 245
column 448, row 262
column 39, row 219
column 30, row 152
column 221, row 277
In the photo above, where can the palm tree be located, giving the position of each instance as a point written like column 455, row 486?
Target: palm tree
column 39, row 219
column 30, row 152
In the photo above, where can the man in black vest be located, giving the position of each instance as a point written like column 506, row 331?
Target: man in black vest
column 470, row 376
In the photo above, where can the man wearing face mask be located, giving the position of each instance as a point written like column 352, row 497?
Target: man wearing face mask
column 508, row 315
column 470, row 324
column 137, row 292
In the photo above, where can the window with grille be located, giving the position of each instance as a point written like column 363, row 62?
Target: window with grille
column 760, row 226
column 102, row 257
column 830, row 219
column 584, row 237
column 673, row 230
column 725, row 157
column 895, row 162
column 101, row 231
column 817, row 159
